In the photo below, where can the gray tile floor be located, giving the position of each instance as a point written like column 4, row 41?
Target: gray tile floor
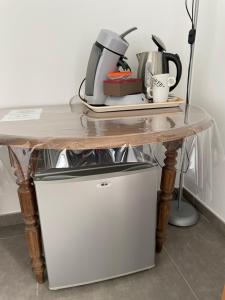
column 191, row 266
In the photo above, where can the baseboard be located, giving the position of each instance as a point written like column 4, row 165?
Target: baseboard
column 11, row 219
column 217, row 222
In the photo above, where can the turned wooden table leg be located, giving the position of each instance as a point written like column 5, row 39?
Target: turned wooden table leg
column 32, row 229
column 28, row 203
column 166, row 191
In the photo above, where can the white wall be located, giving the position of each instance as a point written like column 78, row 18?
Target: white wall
column 209, row 84
column 45, row 44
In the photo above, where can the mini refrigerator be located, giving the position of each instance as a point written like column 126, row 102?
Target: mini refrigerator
column 97, row 223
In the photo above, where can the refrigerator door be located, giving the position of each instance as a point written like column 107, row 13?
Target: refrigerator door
column 98, row 227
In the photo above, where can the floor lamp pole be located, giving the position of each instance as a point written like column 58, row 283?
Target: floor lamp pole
column 183, row 213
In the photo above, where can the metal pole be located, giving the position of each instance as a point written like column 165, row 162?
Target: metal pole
column 181, row 182
column 182, row 213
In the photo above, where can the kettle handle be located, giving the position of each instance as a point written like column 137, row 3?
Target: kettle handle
column 176, row 60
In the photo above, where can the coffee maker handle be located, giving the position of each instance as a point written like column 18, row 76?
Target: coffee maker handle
column 176, row 60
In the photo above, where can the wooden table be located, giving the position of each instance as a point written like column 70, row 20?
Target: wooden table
column 76, row 127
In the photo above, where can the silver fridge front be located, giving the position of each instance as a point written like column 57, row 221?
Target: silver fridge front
column 97, row 223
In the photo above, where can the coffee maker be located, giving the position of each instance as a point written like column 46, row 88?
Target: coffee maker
column 107, row 55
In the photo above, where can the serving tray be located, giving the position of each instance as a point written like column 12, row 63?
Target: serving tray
column 173, row 102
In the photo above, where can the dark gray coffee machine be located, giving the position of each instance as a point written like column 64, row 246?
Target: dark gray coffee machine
column 157, row 62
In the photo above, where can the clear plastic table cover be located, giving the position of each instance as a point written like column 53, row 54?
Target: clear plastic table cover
column 47, row 159
column 205, row 153
column 76, row 127
column 77, row 159
column 72, row 135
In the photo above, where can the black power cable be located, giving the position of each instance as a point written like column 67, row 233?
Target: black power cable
column 186, row 5
column 79, row 92
column 191, row 40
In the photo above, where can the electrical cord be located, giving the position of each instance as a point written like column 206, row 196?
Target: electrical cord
column 79, row 94
column 79, row 91
column 191, row 40
column 190, row 17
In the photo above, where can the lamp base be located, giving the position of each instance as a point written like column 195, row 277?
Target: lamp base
column 184, row 216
